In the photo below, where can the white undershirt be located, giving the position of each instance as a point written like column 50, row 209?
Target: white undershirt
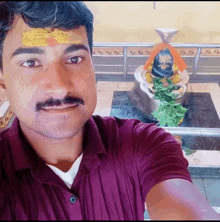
column 69, row 176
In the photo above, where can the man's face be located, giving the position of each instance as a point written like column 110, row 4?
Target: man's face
column 36, row 80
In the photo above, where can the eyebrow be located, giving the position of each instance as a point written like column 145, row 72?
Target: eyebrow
column 37, row 50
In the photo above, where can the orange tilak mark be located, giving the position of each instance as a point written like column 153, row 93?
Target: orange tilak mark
column 51, row 41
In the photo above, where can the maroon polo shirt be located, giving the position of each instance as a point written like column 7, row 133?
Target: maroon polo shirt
column 122, row 160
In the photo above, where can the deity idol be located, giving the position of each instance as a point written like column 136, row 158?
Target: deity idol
column 165, row 62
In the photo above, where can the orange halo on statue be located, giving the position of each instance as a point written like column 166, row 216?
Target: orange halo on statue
column 176, row 57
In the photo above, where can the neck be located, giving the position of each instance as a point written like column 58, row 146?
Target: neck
column 59, row 153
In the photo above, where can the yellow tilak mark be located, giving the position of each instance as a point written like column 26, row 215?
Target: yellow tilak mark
column 48, row 37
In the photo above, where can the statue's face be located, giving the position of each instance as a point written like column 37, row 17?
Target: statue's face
column 165, row 60
column 163, row 64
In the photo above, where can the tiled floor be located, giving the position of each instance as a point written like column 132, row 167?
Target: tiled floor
column 207, row 116
column 202, row 101
column 201, row 113
column 105, row 93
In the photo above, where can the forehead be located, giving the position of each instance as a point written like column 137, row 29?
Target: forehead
column 24, row 36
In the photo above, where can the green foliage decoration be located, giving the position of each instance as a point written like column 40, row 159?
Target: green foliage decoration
column 169, row 113
column 164, row 93
column 188, row 150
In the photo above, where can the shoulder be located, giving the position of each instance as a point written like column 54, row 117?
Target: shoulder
column 130, row 133
column 124, row 125
column 134, row 129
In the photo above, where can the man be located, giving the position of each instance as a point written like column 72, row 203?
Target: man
column 57, row 161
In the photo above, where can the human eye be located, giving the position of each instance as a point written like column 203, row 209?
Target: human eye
column 30, row 63
column 74, row 60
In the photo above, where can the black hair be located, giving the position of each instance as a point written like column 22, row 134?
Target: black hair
column 66, row 15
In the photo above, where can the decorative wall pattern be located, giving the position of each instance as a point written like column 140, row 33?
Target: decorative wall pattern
column 6, row 118
column 145, row 51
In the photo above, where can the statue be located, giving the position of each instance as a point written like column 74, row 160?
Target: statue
column 165, row 62
column 166, row 67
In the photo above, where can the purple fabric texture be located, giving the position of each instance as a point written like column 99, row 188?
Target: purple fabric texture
column 123, row 159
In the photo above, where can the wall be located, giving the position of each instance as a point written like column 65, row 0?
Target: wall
column 198, row 22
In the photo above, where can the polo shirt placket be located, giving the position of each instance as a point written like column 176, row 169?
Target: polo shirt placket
column 25, row 157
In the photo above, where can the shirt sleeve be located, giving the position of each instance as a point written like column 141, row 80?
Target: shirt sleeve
column 158, row 157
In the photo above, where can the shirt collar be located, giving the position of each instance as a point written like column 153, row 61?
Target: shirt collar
column 25, row 157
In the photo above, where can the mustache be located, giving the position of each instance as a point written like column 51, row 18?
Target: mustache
column 56, row 102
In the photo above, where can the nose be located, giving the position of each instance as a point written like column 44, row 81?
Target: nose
column 57, row 81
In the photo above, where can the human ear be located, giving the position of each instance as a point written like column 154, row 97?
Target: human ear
column 3, row 95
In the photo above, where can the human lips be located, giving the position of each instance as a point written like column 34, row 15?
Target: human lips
column 60, row 109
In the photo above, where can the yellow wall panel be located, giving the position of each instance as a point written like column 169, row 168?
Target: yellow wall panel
column 125, row 21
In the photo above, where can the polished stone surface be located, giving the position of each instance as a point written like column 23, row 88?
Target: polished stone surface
column 212, row 191
column 204, row 172
column 201, row 113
